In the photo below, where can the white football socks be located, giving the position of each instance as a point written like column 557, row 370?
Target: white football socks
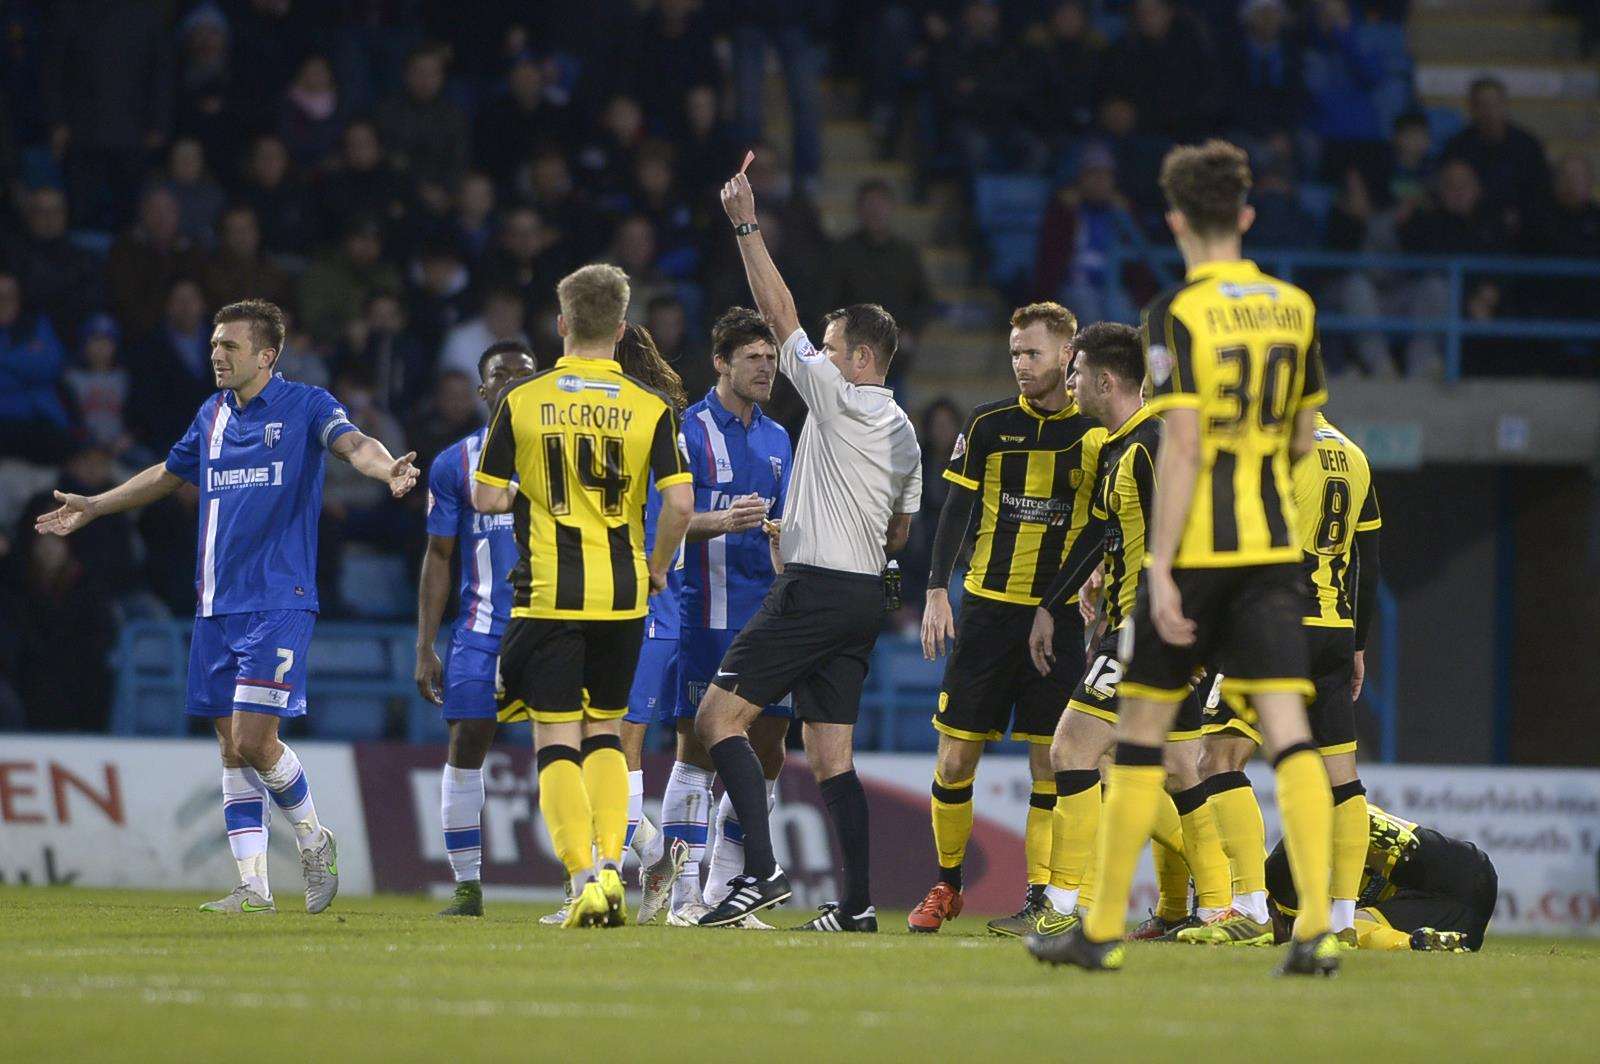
column 1062, row 899
column 287, row 782
column 686, row 815
column 245, row 812
column 644, row 838
column 727, row 855
column 1253, row 905
column 1342, row 915
column 461, row 813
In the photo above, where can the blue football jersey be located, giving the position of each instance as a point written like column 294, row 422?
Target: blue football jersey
column 486, row 544
column 259, row 471
column 662, row 619
column 725, row 579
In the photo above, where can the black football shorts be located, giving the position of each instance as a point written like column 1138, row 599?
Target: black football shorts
column 990, row 684
column 564, row 671
column 1247, row 621
column 812, row 637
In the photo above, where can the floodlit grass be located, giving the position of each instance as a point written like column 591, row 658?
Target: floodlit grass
column 134, row 976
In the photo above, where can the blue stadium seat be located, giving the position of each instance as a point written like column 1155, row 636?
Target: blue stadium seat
column 1444, row 123
column 375, row 585
column 1004, row 202
column 152, row 663
column 1317, row 200
column 1008, row 209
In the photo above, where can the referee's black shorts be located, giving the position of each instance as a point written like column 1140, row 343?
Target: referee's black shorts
column 812, row 637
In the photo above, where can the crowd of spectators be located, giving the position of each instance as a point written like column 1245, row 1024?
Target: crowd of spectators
column 1088, row 95
column 409, row 178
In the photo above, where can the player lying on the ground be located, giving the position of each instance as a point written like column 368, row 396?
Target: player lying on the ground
column 1025, row 464
column 255, row 450
column 1107, row 372
column 468, row 689
column 1420, row 889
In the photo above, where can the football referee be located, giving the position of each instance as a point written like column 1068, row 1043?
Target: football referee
column 857, row 482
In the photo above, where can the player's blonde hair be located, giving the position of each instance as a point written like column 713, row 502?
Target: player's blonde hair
column 594, row 300
column 1061, row 322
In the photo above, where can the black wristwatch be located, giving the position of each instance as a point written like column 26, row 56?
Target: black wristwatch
column 745, row 228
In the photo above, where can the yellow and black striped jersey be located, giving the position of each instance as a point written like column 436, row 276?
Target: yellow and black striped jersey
column 1034, row 472
column 1334, row 496
column 1124, row 494
column 1240, row 348
column 581, row 439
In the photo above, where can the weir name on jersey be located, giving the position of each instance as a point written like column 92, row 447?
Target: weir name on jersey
column 1333, row 461
column 579, row 415
column 245, row 477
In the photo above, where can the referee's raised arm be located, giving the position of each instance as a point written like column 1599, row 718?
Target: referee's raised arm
column 772, row 296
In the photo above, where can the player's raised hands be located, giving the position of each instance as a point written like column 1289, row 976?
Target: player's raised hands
column 738, row 199
column 1166, row 609
column 403, row 475
column 73, row 513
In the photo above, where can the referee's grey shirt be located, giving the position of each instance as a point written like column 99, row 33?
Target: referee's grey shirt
column 857, row 465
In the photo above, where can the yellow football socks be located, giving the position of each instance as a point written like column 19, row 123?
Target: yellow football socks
column 1073, row 823
column 1202, row 849
column 952, row 823
column 1172, row 877
column 564, row 804
column 1306, row 805
column 1133, row 797
column 1168, row 830
column 1350, row 829
column 1239, row 826
column 605, row 775
column 1372, row 935
column 1037, row 836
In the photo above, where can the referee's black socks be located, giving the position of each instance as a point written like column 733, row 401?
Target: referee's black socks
column 740, row 770
column 847, row 805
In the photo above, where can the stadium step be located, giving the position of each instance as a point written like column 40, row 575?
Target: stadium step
column 956, row 351
column 1453, row 37
column 921, row 225
column 964, row 390
column 845, row 176
column 1426, row 8
column 848, row 141
column 947, row 266
column 1524, row 81
column 1552, row 120
column 1560, row 148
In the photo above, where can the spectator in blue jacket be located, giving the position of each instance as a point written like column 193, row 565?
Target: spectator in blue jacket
column 33, row 420
column 1342, row 74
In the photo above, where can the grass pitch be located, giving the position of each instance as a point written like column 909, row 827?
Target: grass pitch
column 136, row 976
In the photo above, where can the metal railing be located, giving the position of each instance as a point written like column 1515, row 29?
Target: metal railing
column 1454, row 329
